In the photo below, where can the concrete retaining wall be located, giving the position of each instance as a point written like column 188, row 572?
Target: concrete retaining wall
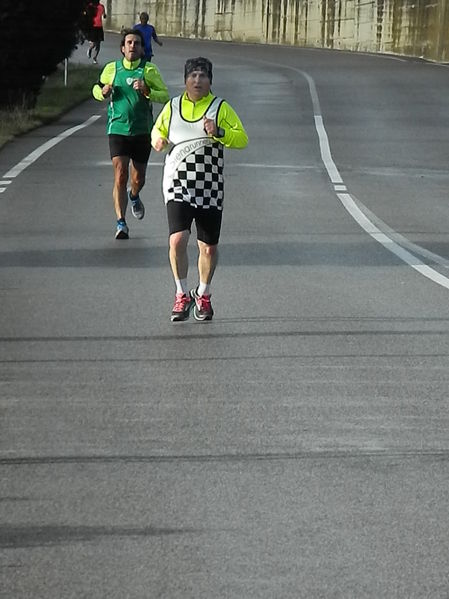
column 407, row 27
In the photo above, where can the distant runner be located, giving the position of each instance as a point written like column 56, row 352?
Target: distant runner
column 96, row 11
column 149, row 34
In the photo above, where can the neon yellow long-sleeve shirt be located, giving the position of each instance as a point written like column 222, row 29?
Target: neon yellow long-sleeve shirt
column 152, row 77
column 234, row 136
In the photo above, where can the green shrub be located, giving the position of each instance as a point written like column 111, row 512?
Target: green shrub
column 54, row 99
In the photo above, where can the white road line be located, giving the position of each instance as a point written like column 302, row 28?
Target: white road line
column 400, row 239
column 355, row 211
column 388, row 243
column 23, row 164
column 326, row 155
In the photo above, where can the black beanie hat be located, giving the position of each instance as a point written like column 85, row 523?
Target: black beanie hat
column 198, row 64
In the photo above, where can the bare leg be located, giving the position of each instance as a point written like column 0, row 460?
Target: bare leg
column 96, row 50
column 177, row 254
column 207, row 261
column 137, row 177
column 119, row 193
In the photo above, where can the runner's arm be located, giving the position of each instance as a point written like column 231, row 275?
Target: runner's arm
column 231, row 132
column 106, row 78
column 155, row 37
column 160, row 128
column 156, row 85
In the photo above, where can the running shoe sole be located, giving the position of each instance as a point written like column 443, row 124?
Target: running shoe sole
column 122, row 234
column 196, row 315
column 139, row 214
column 181, row 316
column 201, row 317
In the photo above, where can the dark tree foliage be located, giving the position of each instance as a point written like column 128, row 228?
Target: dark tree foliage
column 35, row 36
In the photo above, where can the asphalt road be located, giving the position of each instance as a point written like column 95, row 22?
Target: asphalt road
column 297, row 446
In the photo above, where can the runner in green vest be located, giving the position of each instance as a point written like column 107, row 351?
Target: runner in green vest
column 131, row 84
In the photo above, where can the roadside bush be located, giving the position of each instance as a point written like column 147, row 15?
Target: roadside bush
column 36, row 36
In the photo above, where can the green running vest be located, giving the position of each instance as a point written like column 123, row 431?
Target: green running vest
column 129, row 112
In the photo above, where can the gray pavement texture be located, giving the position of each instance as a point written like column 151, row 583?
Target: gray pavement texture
column 296, row 447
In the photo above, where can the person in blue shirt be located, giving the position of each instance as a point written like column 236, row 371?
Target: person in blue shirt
column 149, row 34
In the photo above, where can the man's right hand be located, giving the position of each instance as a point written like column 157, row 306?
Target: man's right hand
column 106, row 90
column 160, row 144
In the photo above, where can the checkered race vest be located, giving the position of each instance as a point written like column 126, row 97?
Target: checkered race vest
column 193, row 169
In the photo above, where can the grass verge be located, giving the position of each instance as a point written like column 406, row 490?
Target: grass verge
column 54, row 99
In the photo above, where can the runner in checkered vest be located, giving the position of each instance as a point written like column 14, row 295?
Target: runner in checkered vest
column 195, row 127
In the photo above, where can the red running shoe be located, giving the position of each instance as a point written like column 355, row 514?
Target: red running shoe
column 181, row 307
column 202, row 309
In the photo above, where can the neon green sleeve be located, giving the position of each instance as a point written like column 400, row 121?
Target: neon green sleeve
column 235, row 135
column 106, row 76
column 160, row 128
column 155, row 83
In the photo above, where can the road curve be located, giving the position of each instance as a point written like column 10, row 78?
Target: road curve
column 296, row 446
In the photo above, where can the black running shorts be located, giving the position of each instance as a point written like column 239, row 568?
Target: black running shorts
column 95, row 35
column 207, row 220
column 136, row 147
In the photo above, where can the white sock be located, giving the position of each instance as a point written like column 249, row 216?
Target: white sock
column 203, row 289
column 181, row 285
